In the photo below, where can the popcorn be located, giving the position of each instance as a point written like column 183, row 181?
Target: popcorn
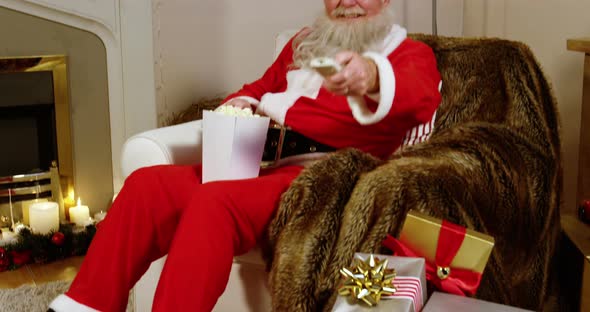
column 230, row 110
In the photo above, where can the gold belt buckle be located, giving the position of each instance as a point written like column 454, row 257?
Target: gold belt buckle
column 283, row 129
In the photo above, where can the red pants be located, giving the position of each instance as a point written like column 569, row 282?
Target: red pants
column 166, row 210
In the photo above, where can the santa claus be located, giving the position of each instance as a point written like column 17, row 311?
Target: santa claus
column 385, row 96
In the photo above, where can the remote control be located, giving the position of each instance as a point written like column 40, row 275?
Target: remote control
column 325, row 66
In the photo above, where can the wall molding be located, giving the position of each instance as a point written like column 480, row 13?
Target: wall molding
column 102, row 12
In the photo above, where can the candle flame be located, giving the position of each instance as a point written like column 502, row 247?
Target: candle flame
column 79, row 202
column 70, row 200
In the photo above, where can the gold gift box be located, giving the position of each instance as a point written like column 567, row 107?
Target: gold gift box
column 420, row 233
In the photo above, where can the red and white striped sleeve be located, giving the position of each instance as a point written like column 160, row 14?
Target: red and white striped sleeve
column 419, row 133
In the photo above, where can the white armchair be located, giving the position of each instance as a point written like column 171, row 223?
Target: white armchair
column 181, row 144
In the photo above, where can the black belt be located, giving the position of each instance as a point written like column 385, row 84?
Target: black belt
column 283, row 142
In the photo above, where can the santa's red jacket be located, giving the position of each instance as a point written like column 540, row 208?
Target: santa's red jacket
column 402, row 113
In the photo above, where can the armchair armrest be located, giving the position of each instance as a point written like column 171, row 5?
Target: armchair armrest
column 179, row 144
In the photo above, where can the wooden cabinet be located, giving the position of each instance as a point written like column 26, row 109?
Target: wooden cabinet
column 577, row 232
column 583, row 45
column 575, row 262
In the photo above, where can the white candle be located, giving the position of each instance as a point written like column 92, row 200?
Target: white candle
column 99, row 216
column 26, row 204
column 79, row 214
column 44, row 217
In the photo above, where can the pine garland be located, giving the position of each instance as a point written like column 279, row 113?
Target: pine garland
column 46, row 248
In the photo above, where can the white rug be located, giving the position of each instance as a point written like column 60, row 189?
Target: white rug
column 28, row 298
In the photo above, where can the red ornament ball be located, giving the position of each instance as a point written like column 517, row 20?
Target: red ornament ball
column 58, row 238
column 4, row 260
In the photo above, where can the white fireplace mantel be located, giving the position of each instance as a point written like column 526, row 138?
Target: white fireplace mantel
column 125, row 28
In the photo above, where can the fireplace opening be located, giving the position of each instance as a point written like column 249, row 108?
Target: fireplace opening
column 36, row 154
column 27, row 123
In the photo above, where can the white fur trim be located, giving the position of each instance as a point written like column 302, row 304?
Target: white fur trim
column 300, row 82
column 64, row 303
column 385, row 96
column 396, row 36
column 386, row 93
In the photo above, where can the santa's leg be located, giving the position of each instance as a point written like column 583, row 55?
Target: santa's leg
column 137, row 230
column 223, row 219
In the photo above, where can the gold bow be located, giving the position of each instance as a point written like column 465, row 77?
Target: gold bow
column 367, row 280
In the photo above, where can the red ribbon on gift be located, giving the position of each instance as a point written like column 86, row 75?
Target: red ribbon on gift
column 456, row 281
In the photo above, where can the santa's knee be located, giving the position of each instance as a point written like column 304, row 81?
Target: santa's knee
column 146, row 174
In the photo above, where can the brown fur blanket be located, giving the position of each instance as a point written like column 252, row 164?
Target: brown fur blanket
column 492, row 164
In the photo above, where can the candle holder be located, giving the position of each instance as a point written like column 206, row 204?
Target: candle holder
column 56, row 190
column 18, row 192
column 8, row 219
column 11, row 207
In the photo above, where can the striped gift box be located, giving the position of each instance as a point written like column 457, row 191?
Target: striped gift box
column 410, row 283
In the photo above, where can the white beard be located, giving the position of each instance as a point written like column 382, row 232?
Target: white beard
column 327, row 37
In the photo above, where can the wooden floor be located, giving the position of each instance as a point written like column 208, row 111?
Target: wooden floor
column 36, row 274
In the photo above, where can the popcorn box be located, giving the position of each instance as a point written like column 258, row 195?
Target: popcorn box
column 232, row 146
column 410, row 283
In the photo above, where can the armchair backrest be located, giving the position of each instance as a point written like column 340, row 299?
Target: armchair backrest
column 495, row 82
column 282, row 38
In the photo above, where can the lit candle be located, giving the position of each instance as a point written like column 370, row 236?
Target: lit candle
column 79, row 214
column 26, row 204
column 44, row 217
column 69, row 202
column 99, row 216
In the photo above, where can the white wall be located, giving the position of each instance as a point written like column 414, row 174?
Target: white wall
column 544, row 25
column 211, row 47
column 417, row 16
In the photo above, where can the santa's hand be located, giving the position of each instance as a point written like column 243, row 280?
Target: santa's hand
column 357, row 77
column 235, row 107
column 239, row 103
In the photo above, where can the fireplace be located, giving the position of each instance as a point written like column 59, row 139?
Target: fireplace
column 109, row 44
column 35, row 133
column 110, row 67
column 34, row 116
column 53, row 53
